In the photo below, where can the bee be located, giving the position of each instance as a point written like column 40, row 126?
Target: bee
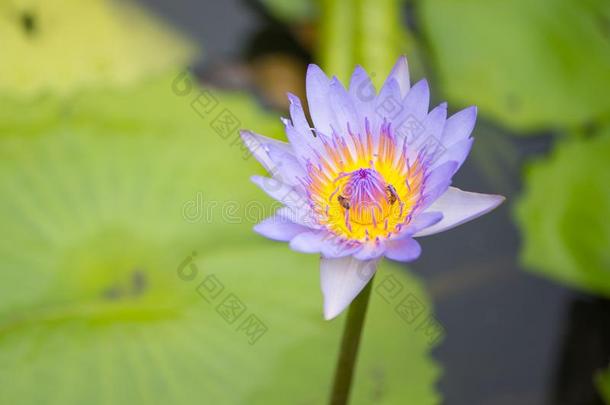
column 392, row 195
column 344, row 202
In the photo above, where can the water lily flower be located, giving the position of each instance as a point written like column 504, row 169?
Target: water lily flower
column 368, row 176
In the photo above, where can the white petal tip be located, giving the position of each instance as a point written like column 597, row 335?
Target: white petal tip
column 245, row 134
column 329, row 315
column 313, row 68
column 342, row 279
column 495, row 200
column 459, row 207
column 258, row 228
column 498, row 199
column 333, row 309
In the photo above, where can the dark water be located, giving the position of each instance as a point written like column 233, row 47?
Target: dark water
column 512, row 338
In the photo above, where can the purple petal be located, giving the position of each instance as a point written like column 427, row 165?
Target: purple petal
column 363, row 92
column 297, row 115
column 400, row 73
column 260, row 145
column 371, row 250
column 417, row 100
column 342, row 280
column 287, row 168
column 305, row 145
column 308, row 242
column 323, row 242
column 419, row 222
column 437, row 182
column 459, row 207
column 277, row 227
column 346, row 115
column 459, row 126
column 282, row 192
column 435, row 122
column 428, row 143
column 403, row 250
column 457, row 153
column 388, row 105
column 317, row 86
column 300, row 216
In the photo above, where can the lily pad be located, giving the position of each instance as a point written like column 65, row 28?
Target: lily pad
column 164, row 104
column 117, row 278
column 530, row 64
column 62, row 46
column 563, row 215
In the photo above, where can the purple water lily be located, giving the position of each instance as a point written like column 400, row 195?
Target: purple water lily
column 372, row 173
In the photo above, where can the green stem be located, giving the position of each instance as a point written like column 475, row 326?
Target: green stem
column 365, row 32
column 349, row 347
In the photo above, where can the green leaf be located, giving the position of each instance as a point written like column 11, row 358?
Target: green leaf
column 62, row 46
column 166, row 104
column 562, row 215
column 105, row 208
column 530, row 64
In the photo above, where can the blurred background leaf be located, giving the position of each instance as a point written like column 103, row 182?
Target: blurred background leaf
column 562, row 214
column 61, row 46
column 530, row 64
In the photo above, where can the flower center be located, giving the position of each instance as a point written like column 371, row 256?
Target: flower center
column 364, row 198
column 364, row 191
